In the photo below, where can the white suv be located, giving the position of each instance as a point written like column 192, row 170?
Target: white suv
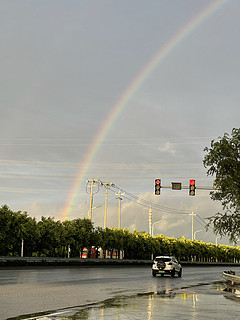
column 166, row 265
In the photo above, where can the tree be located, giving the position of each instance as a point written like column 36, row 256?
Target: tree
column 15, row 226
column 26, row 230
column 68, row 235
column 6, row 240
column 223, row 161
column 82, row 235
column 97, row 238
column 49, row 236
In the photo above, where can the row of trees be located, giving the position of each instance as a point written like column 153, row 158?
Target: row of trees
column 52, row 238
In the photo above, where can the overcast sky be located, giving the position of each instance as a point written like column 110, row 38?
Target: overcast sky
column 64, row 66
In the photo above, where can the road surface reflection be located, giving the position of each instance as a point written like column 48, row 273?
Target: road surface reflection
column 205, row 301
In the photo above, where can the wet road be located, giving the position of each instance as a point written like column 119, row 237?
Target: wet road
column 115, row 293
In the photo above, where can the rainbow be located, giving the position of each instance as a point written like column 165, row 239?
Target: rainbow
column 164, row 51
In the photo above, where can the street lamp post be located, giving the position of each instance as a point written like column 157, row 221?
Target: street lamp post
column 22, row 248
column 216, row 240
column 192, row 214
column 154, row 225
column 195, row 233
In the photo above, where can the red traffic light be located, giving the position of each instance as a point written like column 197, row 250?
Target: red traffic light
column 157, row 186
column 192, row 182
column 192, row 187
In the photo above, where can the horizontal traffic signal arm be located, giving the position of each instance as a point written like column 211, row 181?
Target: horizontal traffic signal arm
column 200, row 188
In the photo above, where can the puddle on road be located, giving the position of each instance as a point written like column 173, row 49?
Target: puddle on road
column 201, row 301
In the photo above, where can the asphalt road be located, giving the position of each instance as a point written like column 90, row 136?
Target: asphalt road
column 25, row 291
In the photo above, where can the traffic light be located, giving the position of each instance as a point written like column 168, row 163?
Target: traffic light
column 192, row 187
column 157, row 186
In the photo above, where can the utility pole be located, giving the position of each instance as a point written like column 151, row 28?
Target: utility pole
column 105, row 211
column 192, row 214
column 107, row 185
column 150, row 221
column 91, row 196
column 91, row 201
column 119, row 194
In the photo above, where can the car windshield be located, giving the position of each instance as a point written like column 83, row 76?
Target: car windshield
column 163, row 259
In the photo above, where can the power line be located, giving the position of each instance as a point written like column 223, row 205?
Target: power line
column 200, row 222
column 146, row 203
column 153, row 204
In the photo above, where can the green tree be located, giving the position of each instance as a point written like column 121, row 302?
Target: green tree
column 128, row 244
column 223, row 161
column 109, row 239
column 26, row 230
column 49, row 237
column 15, row 227
column 82, row 235
column 68, row 235
column 6, row 239
column 97, row 239
column 119, row 243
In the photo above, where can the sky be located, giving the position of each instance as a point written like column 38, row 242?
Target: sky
column 119, row 91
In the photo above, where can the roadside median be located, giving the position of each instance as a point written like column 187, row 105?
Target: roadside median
column 71, row 262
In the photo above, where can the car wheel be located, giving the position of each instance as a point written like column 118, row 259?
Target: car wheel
column 154, row 273
column 180, row 273
column 173, row 273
